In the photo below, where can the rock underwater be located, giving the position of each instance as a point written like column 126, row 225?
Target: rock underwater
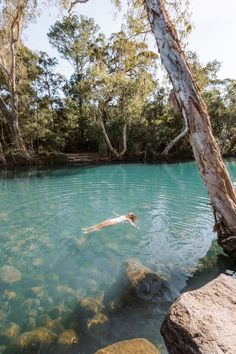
column 133, row 346
column 9, row 274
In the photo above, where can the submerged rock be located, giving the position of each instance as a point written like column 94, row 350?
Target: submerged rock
column 145, row 284
column 54, row 325
column 44, row 320
column 98, row 327
column 37, row 262
column 31, row 323
column 204, row 320
column 34, row 340
column 100, row 319
column 36, row 290
column 10, row 332
column 65, row 290
column 90, row 307
column 10, row 295
column 83, row 311
column 133, row 346
column 68, row 337
column 135, row 284
column 9, row 274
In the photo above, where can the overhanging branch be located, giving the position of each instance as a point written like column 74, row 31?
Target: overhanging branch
column 178, row 137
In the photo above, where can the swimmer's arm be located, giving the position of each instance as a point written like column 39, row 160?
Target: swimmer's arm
column 115, row 213
column 133, row 224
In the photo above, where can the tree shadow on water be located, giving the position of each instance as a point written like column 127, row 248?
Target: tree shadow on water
column 210, row 267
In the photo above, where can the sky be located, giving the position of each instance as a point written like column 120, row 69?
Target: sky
column 213, row 35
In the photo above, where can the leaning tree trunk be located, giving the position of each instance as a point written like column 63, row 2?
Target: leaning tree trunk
column 205, row 148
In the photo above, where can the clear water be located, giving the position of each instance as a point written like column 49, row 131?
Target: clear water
column 42, row 213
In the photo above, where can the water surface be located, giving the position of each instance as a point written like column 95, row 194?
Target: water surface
column 42, row 213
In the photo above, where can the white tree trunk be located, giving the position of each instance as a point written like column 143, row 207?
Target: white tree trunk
column 11, row 118
column 8, row 62
column 118, row 155
column 205, row 148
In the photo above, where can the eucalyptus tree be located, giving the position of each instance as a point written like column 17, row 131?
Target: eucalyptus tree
column 12, row 17
column 197, row 125
column 15, row 15
column 229, row 122
column 44, row 128
column 14, row 100
column 121, row 85
column 77, row 38
column 215, row 93
column 111, row 75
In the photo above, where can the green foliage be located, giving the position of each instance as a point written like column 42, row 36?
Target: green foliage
column 219, row 96
column 112, row 84
column 76, row 39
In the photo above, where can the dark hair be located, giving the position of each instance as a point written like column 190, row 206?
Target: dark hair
column 132, row 216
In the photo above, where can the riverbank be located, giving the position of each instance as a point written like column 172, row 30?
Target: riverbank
column 83, row 159
column 90, row 158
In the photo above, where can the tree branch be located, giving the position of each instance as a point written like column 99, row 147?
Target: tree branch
column 174, row 141
column 107, row 139
column 73, row 3
column 177, row 109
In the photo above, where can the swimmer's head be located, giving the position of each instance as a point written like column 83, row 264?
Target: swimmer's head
column 131, row 216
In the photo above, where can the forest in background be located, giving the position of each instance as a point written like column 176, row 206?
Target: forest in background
column 113, row 103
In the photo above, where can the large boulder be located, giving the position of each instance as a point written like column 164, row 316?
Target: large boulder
column 133, row 346
column 144, row 284
column 204, row 320
column 138, row 285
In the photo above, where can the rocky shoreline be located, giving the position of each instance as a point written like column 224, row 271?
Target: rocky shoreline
column 203, row 320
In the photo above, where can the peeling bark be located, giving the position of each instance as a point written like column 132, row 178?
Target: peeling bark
column 205, row 148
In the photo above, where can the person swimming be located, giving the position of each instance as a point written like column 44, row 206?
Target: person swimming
column 130, row 217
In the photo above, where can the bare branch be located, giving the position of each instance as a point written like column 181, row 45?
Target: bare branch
column 177, row 108
column 73, row 3
column 180, row 136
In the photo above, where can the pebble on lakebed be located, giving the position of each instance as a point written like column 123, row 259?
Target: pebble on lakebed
column 9, row 274
column 68, row 337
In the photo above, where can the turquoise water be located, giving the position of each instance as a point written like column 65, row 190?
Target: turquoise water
column 42, row 213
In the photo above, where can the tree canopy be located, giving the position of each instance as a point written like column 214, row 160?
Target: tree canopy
column 112, row 103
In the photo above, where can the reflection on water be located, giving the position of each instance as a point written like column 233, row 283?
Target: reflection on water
column 52, row 268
